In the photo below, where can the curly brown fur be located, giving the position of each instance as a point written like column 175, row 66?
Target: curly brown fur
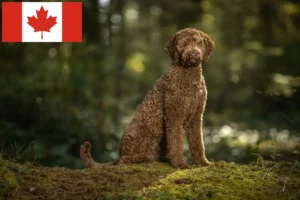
column 85, row 154
column 174, row 105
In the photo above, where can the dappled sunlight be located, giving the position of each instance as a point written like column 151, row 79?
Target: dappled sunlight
column 291, row 8
column 131, row 14
column 283, row 85
column 155, row 10
column 218, row 141
column 225, row 131
column 104, row 3
column 52, row 52
column 136, row 62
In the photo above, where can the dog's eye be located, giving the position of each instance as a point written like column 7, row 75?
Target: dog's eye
column 199, row 42
column 181, row 44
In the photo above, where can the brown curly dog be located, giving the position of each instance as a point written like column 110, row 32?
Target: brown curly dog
column 174, row 105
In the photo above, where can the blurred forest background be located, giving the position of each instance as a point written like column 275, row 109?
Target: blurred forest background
column 54, row 96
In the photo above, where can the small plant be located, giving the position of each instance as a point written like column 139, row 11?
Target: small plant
column 20, row 152
column 274, row 154
column 260, row 160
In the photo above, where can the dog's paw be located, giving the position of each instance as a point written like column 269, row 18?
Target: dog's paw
column 204, row 163
column 181, row 165
column 119, row 162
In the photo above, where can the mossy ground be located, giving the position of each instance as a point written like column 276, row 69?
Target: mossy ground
column 150, row 181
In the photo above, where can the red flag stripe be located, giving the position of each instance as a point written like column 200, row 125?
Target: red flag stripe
column 72, row 22
column 11, row 21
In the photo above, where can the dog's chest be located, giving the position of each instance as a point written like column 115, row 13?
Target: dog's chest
column 197, row 89
column 196, row 93
column 195, row 84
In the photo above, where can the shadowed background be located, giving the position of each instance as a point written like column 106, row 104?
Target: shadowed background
column 54, row 96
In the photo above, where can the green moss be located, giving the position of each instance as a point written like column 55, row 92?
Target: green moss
column 150, row 181
column 227, row 181
column 8, row 180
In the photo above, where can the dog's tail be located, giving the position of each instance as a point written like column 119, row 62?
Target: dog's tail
column 86, row 156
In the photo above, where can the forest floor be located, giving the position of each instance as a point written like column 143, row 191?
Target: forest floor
column 220, row 180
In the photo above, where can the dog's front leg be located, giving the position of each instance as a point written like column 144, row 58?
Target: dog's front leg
column 174, row 131
column 195, row 140
column 175, row 146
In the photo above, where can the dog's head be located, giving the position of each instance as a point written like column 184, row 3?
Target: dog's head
column 190, row 47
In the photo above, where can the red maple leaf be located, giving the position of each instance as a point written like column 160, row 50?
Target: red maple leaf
column 41, row 23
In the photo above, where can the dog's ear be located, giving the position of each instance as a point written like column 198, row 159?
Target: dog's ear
column 171, row 46
column 209, row 47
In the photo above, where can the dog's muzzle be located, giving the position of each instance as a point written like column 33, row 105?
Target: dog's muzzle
column 193, row 57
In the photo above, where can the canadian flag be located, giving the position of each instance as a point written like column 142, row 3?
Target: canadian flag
column 41, row 21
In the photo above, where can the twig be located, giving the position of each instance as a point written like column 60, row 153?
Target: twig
column 267, row 173
column 20, row 155
column 283, row 189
